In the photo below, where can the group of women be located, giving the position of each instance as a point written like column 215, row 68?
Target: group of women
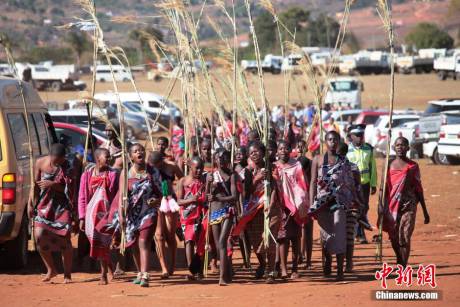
column 262, row 199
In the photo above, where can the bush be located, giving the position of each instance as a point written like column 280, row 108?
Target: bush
column 428, row 35
column 55, row 54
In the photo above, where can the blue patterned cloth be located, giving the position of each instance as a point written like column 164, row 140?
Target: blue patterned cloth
column 217, row 216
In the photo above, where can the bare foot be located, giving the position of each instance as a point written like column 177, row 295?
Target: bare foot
column 103, row 280
column 214, row 268
column 118, row 272
column 222, row 283
column 190, row 277
column 49, row 276
column 67, row 280
column 284, row 274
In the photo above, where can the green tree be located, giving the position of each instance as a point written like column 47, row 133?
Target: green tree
column 428, row 35
column 351, row 43
column 79, row 43
column 265, row 29
column 458, row 38
column 55, row 54
column 295, row 19
column 322, row 31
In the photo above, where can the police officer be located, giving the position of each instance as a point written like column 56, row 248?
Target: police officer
column 361, row 154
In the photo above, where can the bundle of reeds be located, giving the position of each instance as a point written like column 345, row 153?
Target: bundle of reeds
column 385, row 13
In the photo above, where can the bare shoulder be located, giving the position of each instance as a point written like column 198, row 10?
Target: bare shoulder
column 182, row 181
column 41, row 161
column 316, row 161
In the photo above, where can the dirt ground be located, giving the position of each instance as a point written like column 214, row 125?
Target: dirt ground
column 411, row 91
column 438, row 243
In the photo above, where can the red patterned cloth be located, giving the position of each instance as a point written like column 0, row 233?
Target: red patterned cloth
column 292, row 189
column 191, row 216
column 403, row 189
column 177, row 142
column 251, row 208
column 96, row 217
column 54, row 209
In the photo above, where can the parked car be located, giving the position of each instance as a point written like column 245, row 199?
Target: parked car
column 15, row 165
column 291, row 64
column 421, row 62
column 104, row 74
column 344, row 91
column 98, row 134
column 407, row 130
column 438, row 113
column 135, row 107
column 342, row 118
column 79, row 117
column 449, row 143
column 448, row 66
column 77, row 133
column 135, row 126
column 150, row 101
column 365, row 62
column 271, row 63
column 47, row 76
column 369, row 117
column 383, row 124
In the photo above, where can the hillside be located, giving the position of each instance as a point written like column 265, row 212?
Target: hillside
column 33, row 22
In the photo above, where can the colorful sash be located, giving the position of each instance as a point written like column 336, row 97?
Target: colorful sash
column 293, row 189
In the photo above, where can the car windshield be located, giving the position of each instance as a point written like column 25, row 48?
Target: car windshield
column 344, row 86
column 435, row 108
column 432, row 108
column 132, row 106
column 345, row 117
column 95, row 131
column 294, row 61
column 378, row 122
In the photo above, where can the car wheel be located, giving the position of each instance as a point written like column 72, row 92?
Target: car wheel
column 56, row 86
column 125, row 79
column 156, row 128
column 439, row 158
column 442, row 75
column 102, row 80
column 16, row 250
column 129, row 133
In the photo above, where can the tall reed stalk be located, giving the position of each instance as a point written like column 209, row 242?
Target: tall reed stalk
column 385, row 13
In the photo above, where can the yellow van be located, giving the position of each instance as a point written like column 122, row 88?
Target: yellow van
column 14, row 165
